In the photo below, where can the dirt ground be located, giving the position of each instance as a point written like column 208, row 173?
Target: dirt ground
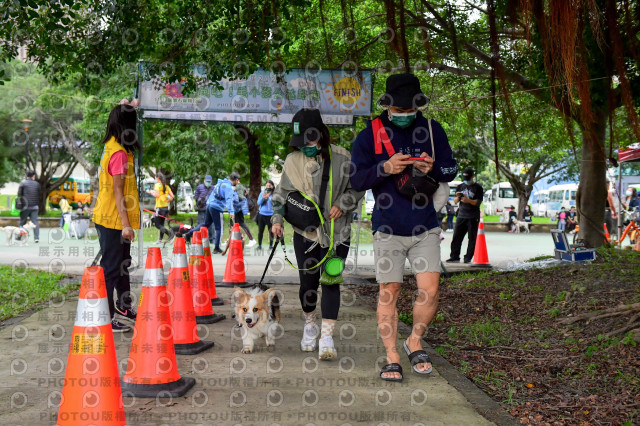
column 551, row 345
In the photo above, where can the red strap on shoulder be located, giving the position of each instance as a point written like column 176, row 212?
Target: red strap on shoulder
column 380, row 134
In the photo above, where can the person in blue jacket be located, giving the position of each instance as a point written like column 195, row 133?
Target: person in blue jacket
column 265, row 211
column 403, row 229
column 220, row 198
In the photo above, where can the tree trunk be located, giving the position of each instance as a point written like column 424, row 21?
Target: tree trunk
column 523, row 201
column 255, row 163
column 592, row 190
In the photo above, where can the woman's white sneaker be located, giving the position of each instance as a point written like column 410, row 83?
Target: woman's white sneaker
column 309, row 336
column 327, row 351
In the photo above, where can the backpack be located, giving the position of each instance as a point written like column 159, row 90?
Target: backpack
column 201, row 202
column 251, row 203
column 217, row 192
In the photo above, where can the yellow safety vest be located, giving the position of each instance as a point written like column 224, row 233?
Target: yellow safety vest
column 105, row 212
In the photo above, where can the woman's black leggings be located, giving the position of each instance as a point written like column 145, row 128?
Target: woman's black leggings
column 263, row 221
column 159, row 221
column 310, row 280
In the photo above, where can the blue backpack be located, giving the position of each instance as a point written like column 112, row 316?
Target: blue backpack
column 217, row 192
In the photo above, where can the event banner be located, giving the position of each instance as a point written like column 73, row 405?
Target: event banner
column 262, row 97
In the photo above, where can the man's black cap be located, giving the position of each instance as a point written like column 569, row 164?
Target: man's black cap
column 403, row 91
column 306, row 126
column 467, row 173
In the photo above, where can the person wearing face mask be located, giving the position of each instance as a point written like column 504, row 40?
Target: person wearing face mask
column 469, row 195
column 303, row 172
column 404, row 228
column 265, row 211
column 201, row 195
column 632, row 198
column 221, row 198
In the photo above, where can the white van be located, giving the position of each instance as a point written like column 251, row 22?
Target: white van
column 502, row 195
column 452, row 190
column 185, row 197
column 539, row 200
column 369, row 202
column 486, row 202
column 561, row 196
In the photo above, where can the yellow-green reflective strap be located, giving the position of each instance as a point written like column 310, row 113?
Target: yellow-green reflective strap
column 326, row 256
column 330, row 251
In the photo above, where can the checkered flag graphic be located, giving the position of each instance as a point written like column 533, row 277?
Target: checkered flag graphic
column 157, row 83
column 202, row 82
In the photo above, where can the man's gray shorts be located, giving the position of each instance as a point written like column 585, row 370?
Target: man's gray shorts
column 391, row 251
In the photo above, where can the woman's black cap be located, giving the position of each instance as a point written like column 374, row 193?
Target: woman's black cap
column 306, row 126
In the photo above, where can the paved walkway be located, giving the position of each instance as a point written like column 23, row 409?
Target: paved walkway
column 281, row 385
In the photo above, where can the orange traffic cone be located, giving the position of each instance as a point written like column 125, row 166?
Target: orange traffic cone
column 234, row 275
column 183, row 317
column 152, row 369
column 215, row 300
column 480, row 255
column 200, row 283
column 91, row 392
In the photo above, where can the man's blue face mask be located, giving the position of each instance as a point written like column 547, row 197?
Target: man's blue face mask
column 467, row 182
column 207, row 184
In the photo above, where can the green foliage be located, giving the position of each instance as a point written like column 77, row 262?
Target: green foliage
column 505, row 296
column 406, row 318
column 628, row 340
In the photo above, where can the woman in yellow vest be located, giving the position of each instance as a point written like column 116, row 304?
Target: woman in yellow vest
column 117, row 210
column 65, row 209
column 163, row 195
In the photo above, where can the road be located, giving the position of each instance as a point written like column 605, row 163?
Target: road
column 58, row 253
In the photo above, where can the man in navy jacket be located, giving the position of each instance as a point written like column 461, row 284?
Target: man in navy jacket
column 403, row 229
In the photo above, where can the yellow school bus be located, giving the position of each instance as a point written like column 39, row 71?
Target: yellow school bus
column 76, row 190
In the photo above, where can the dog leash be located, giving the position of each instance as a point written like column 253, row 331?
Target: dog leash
column 329, row 253
column 169, row 219
column 273, row 251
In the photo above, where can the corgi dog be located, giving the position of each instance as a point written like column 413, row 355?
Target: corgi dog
column 258, row 312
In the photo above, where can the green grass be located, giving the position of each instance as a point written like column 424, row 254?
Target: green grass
column 535, row 219
column 23, row 289
column 4, row 203
column 151, row 234
column 488, row 332
column 538, row 258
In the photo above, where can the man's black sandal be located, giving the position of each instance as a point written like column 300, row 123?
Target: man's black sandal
column 418, row 357
column 392, row 368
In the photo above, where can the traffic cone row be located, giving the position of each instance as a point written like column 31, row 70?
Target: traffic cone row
column 215, row 300
column 165, row 325
column 480, row 255
column 199, row 280
column 183, row 317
